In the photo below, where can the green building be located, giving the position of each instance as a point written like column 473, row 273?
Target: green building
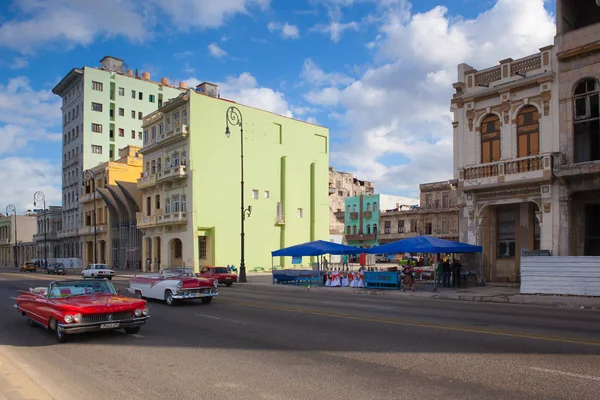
column 102, row 112
column 362, row 220
column 191, row 183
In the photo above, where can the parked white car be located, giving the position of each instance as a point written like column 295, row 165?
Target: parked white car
column 97, row 271
column 173, row 284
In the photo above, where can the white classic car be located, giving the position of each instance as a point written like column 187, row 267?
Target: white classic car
column 173, row 284
column 97, row 271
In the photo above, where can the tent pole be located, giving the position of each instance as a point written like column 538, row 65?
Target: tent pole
column 437, row 260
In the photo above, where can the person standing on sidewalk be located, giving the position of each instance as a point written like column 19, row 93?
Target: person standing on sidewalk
column 446, row 269
column 440, row 271
column 457, row 267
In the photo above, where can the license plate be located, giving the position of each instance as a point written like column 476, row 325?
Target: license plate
column 228, row 277
column 194, row 294
column 109, row 326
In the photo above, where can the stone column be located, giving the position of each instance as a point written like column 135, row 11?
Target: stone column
column 564, row 215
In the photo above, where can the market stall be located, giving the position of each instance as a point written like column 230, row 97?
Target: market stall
column 310, row 249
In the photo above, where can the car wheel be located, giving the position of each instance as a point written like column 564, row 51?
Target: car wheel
column 82, row 276
column 48, row 272
column 206, row 300
column 133, row 330
column 169, row 298
column 32, row 323
column 59, row 334
column 228, row 284
column 110, row 278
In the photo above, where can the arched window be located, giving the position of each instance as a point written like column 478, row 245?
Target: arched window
column 375, row 229
column 348, row 209
column 528, row 132
column 368, row 229
column 354, row 229
column 348, row 230
column 490, row 139
column 354, row 208
column 368, row 207
column 374, row 206
column 586, row 121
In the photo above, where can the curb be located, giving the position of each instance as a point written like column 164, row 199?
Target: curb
column 15, row 384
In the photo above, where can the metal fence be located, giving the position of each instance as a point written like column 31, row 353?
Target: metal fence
column 578, row 276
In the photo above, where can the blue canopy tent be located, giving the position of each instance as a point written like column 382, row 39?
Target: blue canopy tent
column 424, row 244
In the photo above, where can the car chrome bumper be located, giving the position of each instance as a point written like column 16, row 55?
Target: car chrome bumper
column 184, row 295
column 97, row 326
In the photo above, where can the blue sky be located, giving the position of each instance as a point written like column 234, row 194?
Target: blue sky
column 379, row 74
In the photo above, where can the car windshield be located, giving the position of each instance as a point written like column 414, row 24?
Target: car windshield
column 79, row 288
column 220, row 270
column 100, row 266
column 176, row 272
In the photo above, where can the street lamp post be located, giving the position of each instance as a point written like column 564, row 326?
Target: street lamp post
column 89, row 176
column 12, row 209
column 39, row 196
column 233, row 116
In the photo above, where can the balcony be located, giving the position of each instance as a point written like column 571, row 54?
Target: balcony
column 89, row 230
column 530, row 169
column 178, row 172
column 4, row 242
column 68, row 233
column 173, row 135
column 86, row 198
column 38, row 237
column 578, row 42
column 146, row 181
column 353, row 215
column 147, row 221
column 175, row 218
column 367, row 214
column 361, row 237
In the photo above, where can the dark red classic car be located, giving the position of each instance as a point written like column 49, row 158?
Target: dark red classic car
column 76, row 306
column 221, row 274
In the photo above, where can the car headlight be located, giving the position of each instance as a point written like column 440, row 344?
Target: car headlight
column 77, row 318
column 180, row 285
column 216, row 283
column 137, row 312
column 146, row 311
column 68, row 319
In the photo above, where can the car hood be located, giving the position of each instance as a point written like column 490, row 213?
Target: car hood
column 195, row 282
column 100, row 303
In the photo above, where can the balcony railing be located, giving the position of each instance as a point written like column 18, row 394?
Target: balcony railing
column 353, row 215
column 146, row 221
column 519, row 169
column 577, row 41
column 178, row 172
column 86, row 198
column 361, row 237
column 146, row 181
column 173, row 218
column 367, row 214
column 40, row 236
column 89, row 230
column 4, row 242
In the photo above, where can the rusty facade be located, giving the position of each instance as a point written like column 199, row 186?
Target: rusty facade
column 341, row 186
column 436, row 215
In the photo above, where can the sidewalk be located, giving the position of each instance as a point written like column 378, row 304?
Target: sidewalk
column 492, row 293
column 16, row 385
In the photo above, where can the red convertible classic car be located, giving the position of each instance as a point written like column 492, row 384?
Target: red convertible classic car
column 221, row 274
column 77, row 306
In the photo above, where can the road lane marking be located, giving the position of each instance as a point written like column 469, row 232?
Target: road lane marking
column 497, row 332
column 206, row 316
column 552, row 371
column 221, row 319
column 341, row 303
column 137, row 335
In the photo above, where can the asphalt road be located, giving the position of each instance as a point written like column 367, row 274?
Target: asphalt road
column 265, row 343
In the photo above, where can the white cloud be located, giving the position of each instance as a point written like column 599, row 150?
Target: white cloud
column 395, row 124
column 32, row 174
column 19, row 63
column 216, row 51
column 311, row 73
column 183, row 54
column 335, row 29
column 287, row 31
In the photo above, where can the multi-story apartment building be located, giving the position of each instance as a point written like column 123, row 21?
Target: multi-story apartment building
column 341, row 186
column 191, row 183
column 505, row 134
column 437, row 215
column 362, row 220
column 102, row 112
column 49, row 224
column 577, row 163
column 22, row 243
column 110, row 212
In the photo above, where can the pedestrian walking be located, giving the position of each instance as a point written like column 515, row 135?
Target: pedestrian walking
column 409, row 277
column 324, row 263
column 345, row 262
column 440, row 271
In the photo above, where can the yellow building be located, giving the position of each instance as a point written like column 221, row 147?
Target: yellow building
column 112, row 191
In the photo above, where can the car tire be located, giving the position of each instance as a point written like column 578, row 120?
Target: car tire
column 206, row 300
column 133, row 330
column 82, row 276
column 228, row 284
column 59, row 334
column 169, row 298
column 109, row 278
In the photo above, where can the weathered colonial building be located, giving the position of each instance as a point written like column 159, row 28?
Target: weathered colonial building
column 577, row 165
column 341, row 186
column 505, row 136
column 49, row 224
column 437, row 215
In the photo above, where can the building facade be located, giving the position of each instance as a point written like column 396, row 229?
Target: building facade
column 362, row 220
column 341, row 186
column 437, row 215
column 109, row 232
column 505, row 137
column 49, row 223
column 190, row 186
column 22, row 243
column 102, row 112
column 577, row 163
